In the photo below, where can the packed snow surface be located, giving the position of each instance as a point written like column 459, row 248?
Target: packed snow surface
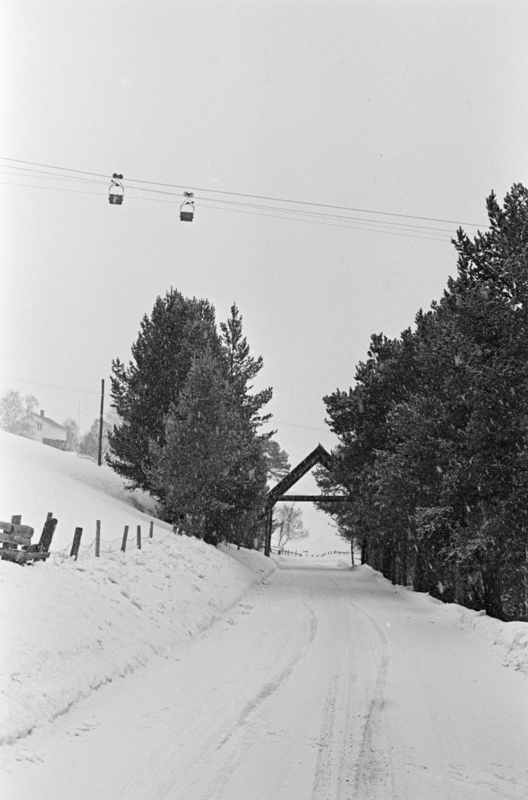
column 187, row 672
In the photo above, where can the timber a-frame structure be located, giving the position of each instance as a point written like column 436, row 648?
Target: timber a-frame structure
column 317, row 456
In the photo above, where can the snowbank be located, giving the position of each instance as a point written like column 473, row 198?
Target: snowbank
column 68, row 627
column 510, row 639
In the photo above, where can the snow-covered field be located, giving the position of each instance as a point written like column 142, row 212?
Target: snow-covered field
column 182, row 671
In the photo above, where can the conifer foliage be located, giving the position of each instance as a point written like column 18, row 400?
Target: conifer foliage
column 433, row 437
column 177, row 330
column 188, row 429
column 210, row 471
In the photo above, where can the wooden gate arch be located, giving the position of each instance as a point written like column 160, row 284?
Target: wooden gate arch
column 317, row 456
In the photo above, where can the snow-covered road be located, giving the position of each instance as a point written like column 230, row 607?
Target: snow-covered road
column 324, row 683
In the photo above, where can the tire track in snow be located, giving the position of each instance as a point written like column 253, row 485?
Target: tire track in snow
column 354, row 753
column 325, row 772
column 373, row 776
column 271, row 687
column 205, row 771
column 241, row 735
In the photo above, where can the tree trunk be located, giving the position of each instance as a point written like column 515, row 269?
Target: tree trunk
column 393, row 560
column 364, row 550
column 420, row 573
column 405, row 544
column 492, row 585
column 526, row 582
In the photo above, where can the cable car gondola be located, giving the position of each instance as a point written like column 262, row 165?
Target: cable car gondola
column 187, row 207
column 117, row 191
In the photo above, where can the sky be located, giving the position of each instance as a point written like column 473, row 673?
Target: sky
column 369, row 115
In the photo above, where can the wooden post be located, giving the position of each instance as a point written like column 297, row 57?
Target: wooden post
column 47, row 533
column 125, row 537
column 100, row 452
column 151, row 531
column 97, row 538
column 268, row 530
column 139, row 537
column 76, row 543
column 15, row 520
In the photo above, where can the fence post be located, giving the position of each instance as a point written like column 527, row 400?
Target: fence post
column 151, row 531
column 47, row 533
column 76, row 543
column 125, row 537
column 97, row 538
column 139, row 537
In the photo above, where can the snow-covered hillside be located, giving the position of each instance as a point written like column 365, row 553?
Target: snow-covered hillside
column 36, row 479
column 69, row 627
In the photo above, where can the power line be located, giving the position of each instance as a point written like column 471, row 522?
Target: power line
column 283, row 215
column 250, row 196
column 37, row 173
column 330, row 216
column 46, row 175
column 296, row 425
column 50, row 386
column 42, row 363
column 337, row 225
column 281, row 211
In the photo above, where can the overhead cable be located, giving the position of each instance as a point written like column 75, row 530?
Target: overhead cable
column 250, row 196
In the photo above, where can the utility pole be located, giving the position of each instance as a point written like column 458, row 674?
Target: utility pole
column 100, row 454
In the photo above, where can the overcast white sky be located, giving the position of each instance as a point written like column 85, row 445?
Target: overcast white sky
column 411, row 108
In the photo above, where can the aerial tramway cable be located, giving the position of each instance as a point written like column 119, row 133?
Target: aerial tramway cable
column 187, row 208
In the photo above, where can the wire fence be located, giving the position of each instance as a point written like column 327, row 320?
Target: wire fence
column 100, row 547
column 107, row 546
column 281, row 551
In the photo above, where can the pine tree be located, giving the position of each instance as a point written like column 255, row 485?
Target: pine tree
column 210, row 469
column 433, row 437
column 243, row 368
column 177, row 330
column 277, row 460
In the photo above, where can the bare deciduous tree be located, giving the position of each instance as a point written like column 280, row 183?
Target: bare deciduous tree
column 15, row 411
column 288, row 525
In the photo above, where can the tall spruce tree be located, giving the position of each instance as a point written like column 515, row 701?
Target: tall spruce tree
column 176, row 331
column 210, row 469
column 243, row 368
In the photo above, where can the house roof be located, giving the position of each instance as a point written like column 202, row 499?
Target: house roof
column 52, row 422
